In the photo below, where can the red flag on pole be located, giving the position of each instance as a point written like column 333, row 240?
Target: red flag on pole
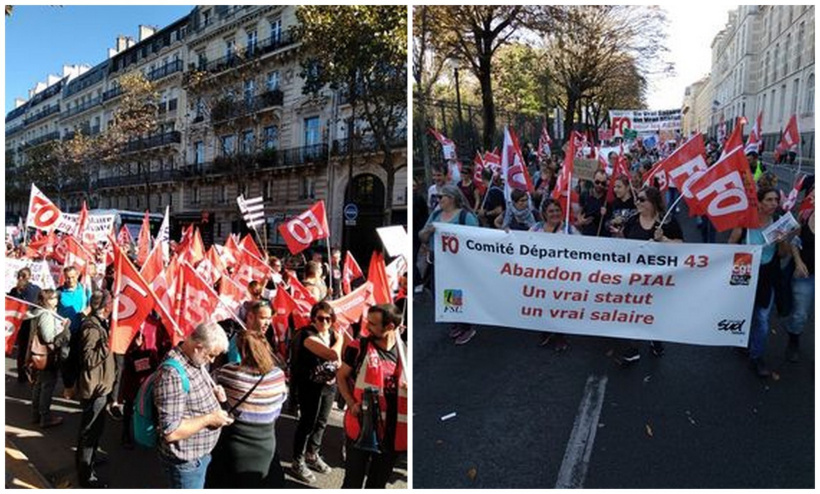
column 493, row 160
column 685, row 165
column 727, row 193
column 144, row 240
column 478, row 171
column 350, row 272
column 755, row 139
column 16, row 310
column 133, row 301
column 736, row 139
column 250, row 246
column 790, row 139
column 153, row 265
column 787, row 203
column 198, row 300
column 448, row 147
column 124, row 238
column 306, row 228
column 513, row 165
column 377, row 275
column 544, row 142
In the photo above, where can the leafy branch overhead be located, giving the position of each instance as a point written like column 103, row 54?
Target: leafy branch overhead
column 361, row 51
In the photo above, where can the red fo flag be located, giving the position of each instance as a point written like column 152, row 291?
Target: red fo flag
column 232, row 295
column 306, row 228
column 350, row 272
column 144, row 240
column 563, row 192
column 687, row 163
column 198, row 300
column 350, row 308
column 133, row 301
column 231, row 252
column 377, row 275
column 250, row 246
column 448, row 147
column 42, row 213
column 165, row 287
column 789, row 140
column 15, row 313
column 619, row 168
column 512, row 164
column 787, row 203
column 544, row 142
column 283, row 305
column 124, row 238
column 493, row 160
column 736, row 139
column 154, row 264
column 250, row 268
column 478, row 171
column 727, row 193
column 755, row 139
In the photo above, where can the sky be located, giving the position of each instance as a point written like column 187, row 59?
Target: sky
column 692, row 29
column 41, row 39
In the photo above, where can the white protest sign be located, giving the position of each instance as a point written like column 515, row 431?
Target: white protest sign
column 395, row 240
column 594, row 286
column 40, row 273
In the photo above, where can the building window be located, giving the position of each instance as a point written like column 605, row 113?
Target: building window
column 228, row 145
column 795, row 89
column 202, row 60
column 223, row 193
column 787, row 54
column 801, row 32
column 206, row 17
column 782, row 103
column 199, row 152
column 172, row 104
column 771, row 107
column 809, row 108
column 247, row 142
column 766, row 71
column 306, row 188
column 252, row 42
column 267, row 190
column 276, row 30
column 273, row 80
column 311, row 131
column 249, row 90
column 271, row 137
column 775, row 61
column 230, row 45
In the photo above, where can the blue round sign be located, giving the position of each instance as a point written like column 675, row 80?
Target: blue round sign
column 351, row 212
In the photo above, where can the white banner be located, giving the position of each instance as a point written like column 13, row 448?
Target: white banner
column 97, row 228
column 40, row 273
column 686, row 293
column 643, row 120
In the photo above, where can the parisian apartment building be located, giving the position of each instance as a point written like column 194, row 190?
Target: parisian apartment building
column 762, row 61
column 245, row 127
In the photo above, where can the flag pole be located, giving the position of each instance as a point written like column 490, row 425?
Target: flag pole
column 569, row 202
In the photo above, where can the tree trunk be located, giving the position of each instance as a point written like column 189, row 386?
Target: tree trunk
column 487, row 100
column 569, row 115
column 388, row 166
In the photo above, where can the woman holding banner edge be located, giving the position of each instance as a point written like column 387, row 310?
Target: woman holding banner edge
column 452, row 209
column 768, row 200
column 650, row 224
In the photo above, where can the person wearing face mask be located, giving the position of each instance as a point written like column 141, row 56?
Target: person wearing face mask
column 189, row 423
column 94, row 384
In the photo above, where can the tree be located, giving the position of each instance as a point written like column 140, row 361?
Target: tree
column 521, row 79
column 474, row 34
column 362, row 50
column 590, row 49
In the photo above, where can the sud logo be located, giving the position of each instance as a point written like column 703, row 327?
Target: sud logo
column 733, row 326
column 453, row 301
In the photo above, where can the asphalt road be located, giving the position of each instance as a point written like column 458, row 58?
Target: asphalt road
column 696, row 418
column 51, row 451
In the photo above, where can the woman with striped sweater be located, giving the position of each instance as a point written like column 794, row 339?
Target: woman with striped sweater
column 246, row 456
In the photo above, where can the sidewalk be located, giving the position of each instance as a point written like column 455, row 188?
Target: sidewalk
column 20, row 473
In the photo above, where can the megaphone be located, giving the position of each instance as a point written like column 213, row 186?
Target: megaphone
column 369, row 417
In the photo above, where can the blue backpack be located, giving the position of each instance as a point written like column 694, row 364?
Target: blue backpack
column 145, row 413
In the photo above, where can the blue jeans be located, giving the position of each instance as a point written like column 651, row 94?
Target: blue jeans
column 760, row 329
column 188, row 474
column 803, row 291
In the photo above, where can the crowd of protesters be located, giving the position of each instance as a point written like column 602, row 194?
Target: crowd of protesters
column 630, row 207
column 217, row 395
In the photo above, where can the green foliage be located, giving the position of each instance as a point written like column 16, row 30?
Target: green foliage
column 520, row 78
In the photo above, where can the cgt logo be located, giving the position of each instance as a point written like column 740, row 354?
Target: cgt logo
column 733, row 326
column 449, row 243
column 453, row 301
column 741, row 269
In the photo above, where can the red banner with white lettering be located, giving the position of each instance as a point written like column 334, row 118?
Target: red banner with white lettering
column 726, row 192
column 686, row 164
column 42, row 213
column 306, row 228
column 198, row 300
column 133, row 299
column 15, row 313
column 350, row 272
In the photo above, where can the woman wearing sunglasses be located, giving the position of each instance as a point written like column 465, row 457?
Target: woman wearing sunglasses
column 646, row 225
column 316, row 357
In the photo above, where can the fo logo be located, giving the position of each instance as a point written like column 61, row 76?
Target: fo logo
column 733, row 326
column 449, row 242
column 453, row 301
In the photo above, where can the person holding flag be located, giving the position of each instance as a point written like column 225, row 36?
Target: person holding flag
column 439, row 181
column 29, row 292
column 593, row 206
column 767, row 203
column 492, row 205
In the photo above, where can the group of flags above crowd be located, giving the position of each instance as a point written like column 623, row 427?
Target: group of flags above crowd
column 178, row 281
column 725, row 192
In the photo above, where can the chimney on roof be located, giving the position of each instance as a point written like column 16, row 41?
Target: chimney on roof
column 121, row 43
column 146, row 31
column 18, row 102
column 130, row 42
column 51, row 79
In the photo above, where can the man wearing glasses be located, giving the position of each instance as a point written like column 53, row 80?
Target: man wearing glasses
column 28, row 291
column 593, row 207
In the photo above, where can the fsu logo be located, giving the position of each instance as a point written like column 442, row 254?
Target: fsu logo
column 449, row 242
column 453, row 300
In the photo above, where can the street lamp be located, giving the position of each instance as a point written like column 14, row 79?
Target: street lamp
column 455, row 63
